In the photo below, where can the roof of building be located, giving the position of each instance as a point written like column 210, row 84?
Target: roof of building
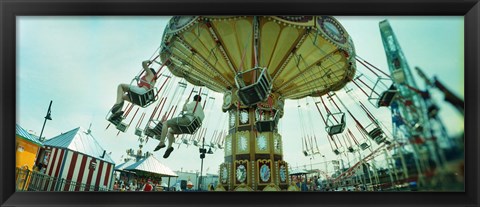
column 24, row 134
column 151, row 165
column 122, row 166
column 79, row 140
column 297, row 172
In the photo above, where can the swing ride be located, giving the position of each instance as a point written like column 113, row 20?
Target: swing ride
column 414, row 119
column 258, row 63
column 143, row 100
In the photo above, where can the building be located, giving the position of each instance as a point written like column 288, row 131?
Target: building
column 78, row 161
column 150, row 167
column 194, row 178
column 27, row 147
column 26, row 152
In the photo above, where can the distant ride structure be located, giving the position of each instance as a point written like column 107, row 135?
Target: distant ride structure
column 258, row 62
column 423, row 153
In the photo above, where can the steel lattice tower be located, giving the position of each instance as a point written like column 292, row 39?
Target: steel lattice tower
column 409, row 109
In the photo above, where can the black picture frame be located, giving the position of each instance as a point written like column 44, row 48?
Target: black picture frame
column 9, row 9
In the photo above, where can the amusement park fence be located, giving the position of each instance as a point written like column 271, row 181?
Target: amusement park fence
column 26, row 180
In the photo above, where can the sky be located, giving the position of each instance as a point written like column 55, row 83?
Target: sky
column 77, row 62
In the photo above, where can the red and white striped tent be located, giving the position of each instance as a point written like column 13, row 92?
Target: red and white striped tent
column 78, row 159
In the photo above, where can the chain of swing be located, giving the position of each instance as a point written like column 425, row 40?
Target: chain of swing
column 171, row 93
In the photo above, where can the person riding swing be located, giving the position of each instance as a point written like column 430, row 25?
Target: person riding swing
column 190, row 112
column 146, row 83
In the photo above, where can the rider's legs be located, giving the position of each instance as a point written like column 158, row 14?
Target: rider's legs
column 121, row 89
column 171, row 137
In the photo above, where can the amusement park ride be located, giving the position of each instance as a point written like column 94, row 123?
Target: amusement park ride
column 415, row 121
column 257, row 63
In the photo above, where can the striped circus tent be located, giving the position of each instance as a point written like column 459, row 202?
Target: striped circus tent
column 78, row 159
column 150, row 165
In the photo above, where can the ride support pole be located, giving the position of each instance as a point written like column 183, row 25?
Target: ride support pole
column 366, row 94
column 161, row 87
column 161, row 108
column 374, row 67
column 328, row 111
column 390, row 166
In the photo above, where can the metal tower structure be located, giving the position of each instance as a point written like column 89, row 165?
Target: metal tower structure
column 409, row 109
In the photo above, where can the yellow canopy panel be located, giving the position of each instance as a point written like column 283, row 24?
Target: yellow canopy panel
column 304, row 55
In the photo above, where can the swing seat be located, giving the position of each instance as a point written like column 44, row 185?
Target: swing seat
column 157, row 130
column 377, row 132
column 122, row 126
column 267, row 125
column 377, row 135
column 338, row 128
column 364, row 146
column 149, row 132
column 380, row 139
column 138, row 132
column 220, row 146
column 195, row 142
column 305, row 153
column 142, row 100
column 256, row 92
column 350, row 149
column 213, row 145
column 185, row 141
column 338, row 150
column 387, row 96
column 190, row 128
column 117, row 121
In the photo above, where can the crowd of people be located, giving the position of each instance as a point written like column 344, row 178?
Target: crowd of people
column 137, row 184
column 314, row 183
